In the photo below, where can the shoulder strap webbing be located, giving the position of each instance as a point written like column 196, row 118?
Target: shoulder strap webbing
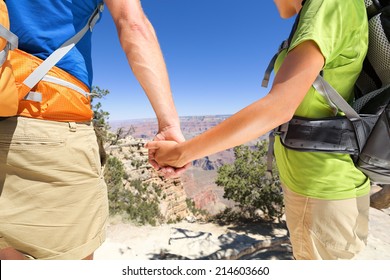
column 334, row 98
column 56, row 56
column 284, row 45
column 374, row 7
column 12, row 43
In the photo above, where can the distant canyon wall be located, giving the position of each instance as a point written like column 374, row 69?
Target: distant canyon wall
column 197, row 183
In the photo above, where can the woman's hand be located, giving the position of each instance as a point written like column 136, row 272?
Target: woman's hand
column 173, row 135
column 167, row 157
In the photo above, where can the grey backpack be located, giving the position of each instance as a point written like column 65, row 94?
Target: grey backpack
column 364, row 132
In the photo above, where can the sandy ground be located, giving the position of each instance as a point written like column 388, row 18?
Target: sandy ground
column 199, row 240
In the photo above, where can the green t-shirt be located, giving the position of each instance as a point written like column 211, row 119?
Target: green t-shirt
column 340, row 30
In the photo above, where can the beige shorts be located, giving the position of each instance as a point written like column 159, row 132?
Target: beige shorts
column 53, row 199
column 326, row 229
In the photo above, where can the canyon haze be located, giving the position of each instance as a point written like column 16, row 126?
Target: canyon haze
column 199, row 180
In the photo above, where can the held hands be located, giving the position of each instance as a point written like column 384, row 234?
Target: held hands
column 164, row 154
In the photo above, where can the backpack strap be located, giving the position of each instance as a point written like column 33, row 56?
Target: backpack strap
column 267, row 75
column 374, row 7
column 284, row 45
column 56, row 56
column 334, row 98
column 12, row 43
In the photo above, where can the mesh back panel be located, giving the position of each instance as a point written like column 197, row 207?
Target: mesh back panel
column 378, row 54
column 379, row 49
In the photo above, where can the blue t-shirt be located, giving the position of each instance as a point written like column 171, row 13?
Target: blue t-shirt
column 42, row 26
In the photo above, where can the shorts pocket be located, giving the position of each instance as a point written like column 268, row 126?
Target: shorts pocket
column 83, row 147
column 29, row 142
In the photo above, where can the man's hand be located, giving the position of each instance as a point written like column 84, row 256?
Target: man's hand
column 170, row 133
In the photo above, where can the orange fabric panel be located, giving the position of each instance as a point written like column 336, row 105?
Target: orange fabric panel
column 8, row 92
column 4, row 21
column 59, row 103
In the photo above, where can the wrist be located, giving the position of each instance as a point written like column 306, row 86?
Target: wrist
column 183, row 155
column 168, row 120
column 169, row 127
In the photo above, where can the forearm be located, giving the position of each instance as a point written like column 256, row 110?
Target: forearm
column 140, row 44
column 248, row 124
column 146, row 60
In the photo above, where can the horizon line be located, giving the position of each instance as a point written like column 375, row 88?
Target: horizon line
column 184, row 116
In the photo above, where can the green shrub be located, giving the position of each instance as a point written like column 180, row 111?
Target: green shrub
column 141, row 208
column 245, row 182
column 192, row 208
column 117, row 194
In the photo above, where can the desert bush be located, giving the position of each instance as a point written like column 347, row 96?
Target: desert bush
column 247, row 183
column 118, row 196
column 194, row 210
column 136, row 206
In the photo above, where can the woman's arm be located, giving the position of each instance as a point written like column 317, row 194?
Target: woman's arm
column 295, row 77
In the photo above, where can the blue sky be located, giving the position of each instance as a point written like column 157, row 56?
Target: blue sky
column 216, row 52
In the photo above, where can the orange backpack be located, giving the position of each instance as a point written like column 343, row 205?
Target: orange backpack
column 36, row 88
column 8, row 91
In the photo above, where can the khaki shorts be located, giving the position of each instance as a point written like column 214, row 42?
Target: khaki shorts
column 326, row 229
column 53, row 199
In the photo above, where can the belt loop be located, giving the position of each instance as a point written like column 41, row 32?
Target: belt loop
column 72, row 126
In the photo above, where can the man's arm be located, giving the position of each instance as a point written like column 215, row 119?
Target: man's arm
column 139, row 42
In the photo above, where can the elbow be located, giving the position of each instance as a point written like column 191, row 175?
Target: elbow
column 136, row 26
column 283, row 110
column 286, row 114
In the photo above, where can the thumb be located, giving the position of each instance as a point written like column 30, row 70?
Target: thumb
column 153, row 145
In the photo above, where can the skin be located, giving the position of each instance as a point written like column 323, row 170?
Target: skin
column 293, row 80
column 139, row 42
column 288, row 8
